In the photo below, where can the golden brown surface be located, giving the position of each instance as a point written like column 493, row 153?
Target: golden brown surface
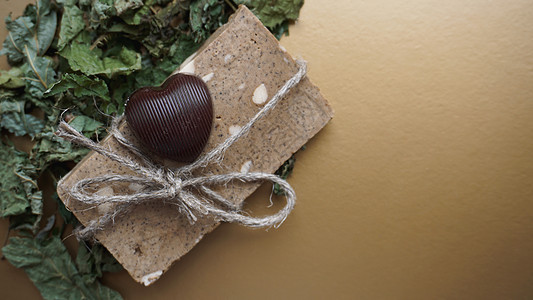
column 421, row 185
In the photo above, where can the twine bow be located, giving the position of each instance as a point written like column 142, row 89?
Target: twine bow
column 192, row 194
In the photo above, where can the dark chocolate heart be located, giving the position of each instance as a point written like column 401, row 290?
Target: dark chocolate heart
column 173, row 120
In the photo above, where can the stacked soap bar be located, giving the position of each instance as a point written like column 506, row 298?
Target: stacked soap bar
column 243, row 65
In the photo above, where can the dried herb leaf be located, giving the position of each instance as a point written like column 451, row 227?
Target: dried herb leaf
column 45, row 19
column 153, row 74
column 71, row 24
column 92, row 61
column 11, row 79
column 66, row 214
column 87, row 125
column 100, row 12
column 39, row 73
column 136, row 17
column 15, row 120
column 50, row 149
column 122, row 6
column 162, row 32
column 80, row 86
column 19, row 192
column 93, row 262
column 33, row 32
column 284, row 171
column 273, row 12
column 19, row 34
column 52, row 270
column 205, row 17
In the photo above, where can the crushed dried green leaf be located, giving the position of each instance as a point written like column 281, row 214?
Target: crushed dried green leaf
column 54, row 273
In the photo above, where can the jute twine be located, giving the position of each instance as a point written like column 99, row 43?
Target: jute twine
column 193, row 195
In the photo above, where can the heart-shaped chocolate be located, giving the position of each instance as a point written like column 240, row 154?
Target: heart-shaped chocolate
column 173, row 120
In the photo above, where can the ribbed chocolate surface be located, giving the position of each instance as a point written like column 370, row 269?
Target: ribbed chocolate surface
column 173, row 120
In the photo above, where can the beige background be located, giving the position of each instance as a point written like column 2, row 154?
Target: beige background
column 421, row 186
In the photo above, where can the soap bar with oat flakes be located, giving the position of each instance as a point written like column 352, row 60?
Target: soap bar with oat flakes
column 243, row 66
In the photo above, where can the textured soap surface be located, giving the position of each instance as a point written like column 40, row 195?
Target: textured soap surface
column 243, row 65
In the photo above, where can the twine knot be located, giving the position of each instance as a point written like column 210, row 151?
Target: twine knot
column 172, row 183
column 174, row 188
column 193, row 195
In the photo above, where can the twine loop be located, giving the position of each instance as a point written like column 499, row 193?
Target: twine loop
column 193, row 195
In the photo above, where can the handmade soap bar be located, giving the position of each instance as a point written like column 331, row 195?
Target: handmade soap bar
column 243, row 65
